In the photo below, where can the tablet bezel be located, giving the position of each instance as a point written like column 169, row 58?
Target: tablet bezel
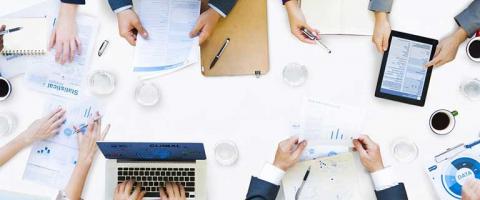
column 416, row 38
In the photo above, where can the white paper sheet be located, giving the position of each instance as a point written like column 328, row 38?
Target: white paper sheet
column 168, row 23
column 327, row 123
column 66, row 80
column 338, row 178
column 52, row 161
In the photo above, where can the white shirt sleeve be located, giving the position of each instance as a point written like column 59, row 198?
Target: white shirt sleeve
column 217, row 10
column 383, row 179
column 271, row 174
column 118, row 10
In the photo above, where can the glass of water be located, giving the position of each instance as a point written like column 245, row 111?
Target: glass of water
column 7, row 123
column 471, row 89
column 147, row 94
column 404, row 150
column 102, row 82
column 295, row 74
column 226, row 153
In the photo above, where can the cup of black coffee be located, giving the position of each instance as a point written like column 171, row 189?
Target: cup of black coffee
column 442, row 121
column 473, row 48
column 5, row 88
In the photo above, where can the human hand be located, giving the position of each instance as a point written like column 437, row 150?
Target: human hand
column 44, row 128
column 123, row 191
column 297, row 22
column 64, row 37
column 369, row 151
column 1, row 37
column 129, row 25
column 447, row 48
column 381, row 32
column 289, row 152
column 172, row 191
column 205, row 25
column 87, row 142
column 471, row 190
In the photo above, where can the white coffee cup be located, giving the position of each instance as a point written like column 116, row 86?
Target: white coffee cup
column 5, row 88
column 442, row 121
column 471, row 47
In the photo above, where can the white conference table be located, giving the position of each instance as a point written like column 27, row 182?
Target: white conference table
column 256, row 112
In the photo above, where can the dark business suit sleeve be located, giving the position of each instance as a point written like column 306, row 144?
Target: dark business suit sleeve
column 262, row 190
column 397, row 192
column 223, row 5
column 116, row 4
column 469, row 19
column 74, row 1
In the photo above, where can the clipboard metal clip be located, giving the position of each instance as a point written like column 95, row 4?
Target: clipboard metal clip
column 450, row 153
column 258, row 73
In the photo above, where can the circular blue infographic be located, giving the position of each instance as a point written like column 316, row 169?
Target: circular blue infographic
column 455, row 175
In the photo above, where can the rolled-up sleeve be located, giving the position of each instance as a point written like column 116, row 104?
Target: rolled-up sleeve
column 73, row 1
column 469, row 19
column 380, row 5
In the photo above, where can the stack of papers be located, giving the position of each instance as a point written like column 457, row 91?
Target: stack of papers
column 168, row 46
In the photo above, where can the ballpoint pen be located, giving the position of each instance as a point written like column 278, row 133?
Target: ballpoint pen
column 297, row 194
column 313, row 37
column 78, row 130
column 224, row 46
column 10, row 30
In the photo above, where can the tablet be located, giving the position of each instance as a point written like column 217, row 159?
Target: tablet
column 403, row 76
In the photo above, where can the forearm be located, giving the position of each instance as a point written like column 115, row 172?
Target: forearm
column 460, row 35
column 12, row 148
column 68, row 10
column 76, row 183
column 292, row 4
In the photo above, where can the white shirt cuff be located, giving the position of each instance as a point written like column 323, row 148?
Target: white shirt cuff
column 217, row 10
column 272, row 174
column 383, row 179
column 118, row 10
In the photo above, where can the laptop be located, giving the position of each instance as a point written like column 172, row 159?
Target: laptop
column 154, row 164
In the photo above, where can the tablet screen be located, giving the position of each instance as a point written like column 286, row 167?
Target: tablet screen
column 404, row 71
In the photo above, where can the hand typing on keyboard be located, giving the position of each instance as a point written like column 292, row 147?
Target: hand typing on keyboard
column 171, row 191
column 124, row 191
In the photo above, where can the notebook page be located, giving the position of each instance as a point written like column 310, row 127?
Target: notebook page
column 31, row 39
column 356, row 18
column 324, row 15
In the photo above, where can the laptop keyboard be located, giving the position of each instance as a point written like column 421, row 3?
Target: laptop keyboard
column 151, row 179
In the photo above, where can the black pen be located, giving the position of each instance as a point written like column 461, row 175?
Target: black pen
column 297, row 195
column 225, row 44
column 10, row 30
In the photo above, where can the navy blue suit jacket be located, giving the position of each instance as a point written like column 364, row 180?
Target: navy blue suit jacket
column 263, row 190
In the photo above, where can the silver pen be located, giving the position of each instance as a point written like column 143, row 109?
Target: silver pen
column 313, row 37
column 297, row 194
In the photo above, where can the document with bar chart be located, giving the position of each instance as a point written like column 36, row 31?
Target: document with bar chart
column 327, row 123
column 52, row 161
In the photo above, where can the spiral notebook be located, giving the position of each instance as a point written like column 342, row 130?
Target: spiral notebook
column 30, row 40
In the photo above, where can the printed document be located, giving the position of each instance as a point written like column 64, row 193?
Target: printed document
column 339, row 177
column 168, row 23
column 66, row 80
column 52, row 160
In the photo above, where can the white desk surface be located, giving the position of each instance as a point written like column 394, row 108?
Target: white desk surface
column 255, row 112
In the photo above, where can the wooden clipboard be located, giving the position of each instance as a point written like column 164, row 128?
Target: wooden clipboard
column 247, row 52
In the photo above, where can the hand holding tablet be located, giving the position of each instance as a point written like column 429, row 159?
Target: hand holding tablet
column 403, row 76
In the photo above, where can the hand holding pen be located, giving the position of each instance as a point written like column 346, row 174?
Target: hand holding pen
column 315, row 38
column 97, row 118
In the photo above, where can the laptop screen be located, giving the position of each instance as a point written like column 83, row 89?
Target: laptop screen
column 152, row 151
